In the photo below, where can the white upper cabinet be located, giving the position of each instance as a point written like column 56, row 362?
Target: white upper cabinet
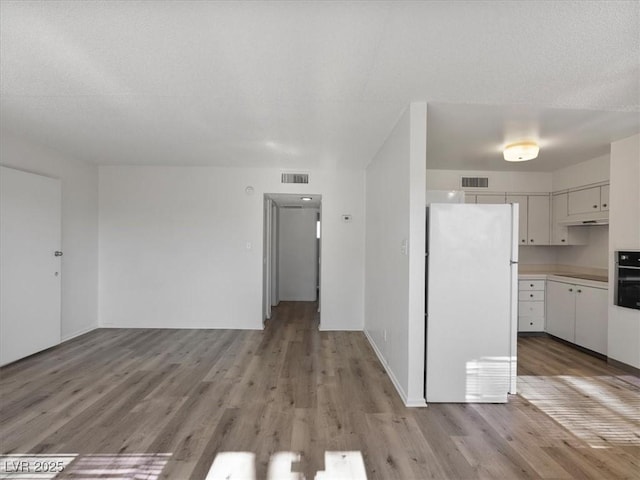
column 538, row 220
column 560, row 233
column 523, row 203
column 584, row 201
column 534, row 225
column 604, row 198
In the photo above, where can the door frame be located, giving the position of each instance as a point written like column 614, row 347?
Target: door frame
column 270, row 274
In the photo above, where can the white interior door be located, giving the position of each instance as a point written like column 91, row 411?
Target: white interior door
column 29, row 270
column 298, row 255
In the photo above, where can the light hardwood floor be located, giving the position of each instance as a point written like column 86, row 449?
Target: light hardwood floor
column 186, row 395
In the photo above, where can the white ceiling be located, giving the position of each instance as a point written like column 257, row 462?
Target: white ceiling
column 304, row 84
column 472, row 137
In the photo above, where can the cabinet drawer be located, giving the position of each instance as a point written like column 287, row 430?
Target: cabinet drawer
column 531, row 324
column 532, row 295
column 531, row 309
column 525, row 285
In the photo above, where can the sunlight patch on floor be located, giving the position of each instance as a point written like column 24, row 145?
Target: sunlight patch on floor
column 140, row 466
column 591, row 408
column 241, row 466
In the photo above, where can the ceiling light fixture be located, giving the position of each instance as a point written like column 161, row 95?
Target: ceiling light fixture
column 521, row 152
column 306, row 199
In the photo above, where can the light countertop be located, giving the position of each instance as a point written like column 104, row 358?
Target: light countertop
column 588, row 279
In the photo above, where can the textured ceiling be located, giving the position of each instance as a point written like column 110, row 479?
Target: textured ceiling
column 296, row 84
column 472, row 137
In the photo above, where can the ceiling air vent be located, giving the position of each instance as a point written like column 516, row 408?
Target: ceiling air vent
column 295, row 178
column 475, row 182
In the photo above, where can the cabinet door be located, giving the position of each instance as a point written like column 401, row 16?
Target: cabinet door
column 469, row 198
column 538, row 220
column 559, row 233
column 591, row 318
column 561, row 310
column 490, row 199
column 584, row 201
column 522, row 223
column 604, row 198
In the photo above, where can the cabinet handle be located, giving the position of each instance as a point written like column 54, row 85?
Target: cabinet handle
column 523, row 240
column 571, row 289
column 531, row 284
column 595, row 206
column 604, row 205
column 563, row 240
column 531, row 295
column 579, row 291
column 531, row 240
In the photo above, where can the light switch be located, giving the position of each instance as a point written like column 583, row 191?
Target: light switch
column 404, row 247
column 249, row 245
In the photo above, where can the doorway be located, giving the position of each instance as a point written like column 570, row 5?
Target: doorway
column 291, row 249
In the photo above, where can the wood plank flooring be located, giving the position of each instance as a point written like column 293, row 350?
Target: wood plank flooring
column 167, row 401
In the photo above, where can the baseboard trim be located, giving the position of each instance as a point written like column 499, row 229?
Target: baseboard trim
column 71, row 336
column 533, row 334
column 624, row 366
column 184, row 327
column 390, row 374
column 577, row 347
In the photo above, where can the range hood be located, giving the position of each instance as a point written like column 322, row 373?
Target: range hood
column 583, row 222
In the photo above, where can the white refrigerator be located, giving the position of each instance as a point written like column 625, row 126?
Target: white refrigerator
column 471, row 303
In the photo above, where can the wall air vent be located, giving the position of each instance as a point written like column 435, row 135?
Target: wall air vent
column 474, row 182
column 294, row 178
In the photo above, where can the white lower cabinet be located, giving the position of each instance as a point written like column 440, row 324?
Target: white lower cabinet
column 561, row 310
column 591, row 318
column 531, row 305
column 578, row 314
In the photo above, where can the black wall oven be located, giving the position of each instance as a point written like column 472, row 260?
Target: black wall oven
column 628, row 279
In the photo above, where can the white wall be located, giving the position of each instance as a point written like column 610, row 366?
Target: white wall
column 298, row 254
column 394, row 281
column 79, row 226
column 173, row 246
column 417, row 245
column 584, row 173
column 529, row 182
column 624, row 234
column 386, row 268
column 595, row 254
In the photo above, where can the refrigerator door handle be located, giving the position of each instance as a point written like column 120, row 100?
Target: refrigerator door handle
column 513, row 262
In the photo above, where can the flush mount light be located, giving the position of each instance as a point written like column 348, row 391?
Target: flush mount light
column 521, row 152
column 306, row 199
